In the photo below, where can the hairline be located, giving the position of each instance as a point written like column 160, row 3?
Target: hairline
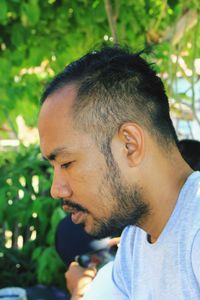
column 78, row 125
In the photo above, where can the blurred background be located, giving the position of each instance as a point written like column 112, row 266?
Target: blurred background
column 37, row 39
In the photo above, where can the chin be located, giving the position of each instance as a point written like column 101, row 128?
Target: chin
column 88, row 228
column 91, row 230
column 97, row 233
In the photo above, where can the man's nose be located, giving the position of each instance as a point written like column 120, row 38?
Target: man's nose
column 60, row 187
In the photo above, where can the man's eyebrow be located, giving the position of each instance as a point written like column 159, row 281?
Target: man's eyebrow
column 55, row 153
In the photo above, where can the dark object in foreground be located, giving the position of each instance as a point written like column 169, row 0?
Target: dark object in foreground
column 96, row 258
column 41, row 292
column 71, row 240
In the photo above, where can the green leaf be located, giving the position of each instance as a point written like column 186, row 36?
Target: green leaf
column 48, row 265
column 18, row 34
column 3, row 11
column 30, row 13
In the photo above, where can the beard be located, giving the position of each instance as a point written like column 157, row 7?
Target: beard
column 125, row 202
column 128, row 208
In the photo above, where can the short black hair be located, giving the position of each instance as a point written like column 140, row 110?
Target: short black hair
column 115, row 86
column 190, row 150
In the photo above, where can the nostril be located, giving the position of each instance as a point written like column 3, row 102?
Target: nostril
column 60, row 191
column 55, row 190
column 53, row 193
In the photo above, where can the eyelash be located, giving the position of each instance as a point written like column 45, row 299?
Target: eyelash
column 66, row 165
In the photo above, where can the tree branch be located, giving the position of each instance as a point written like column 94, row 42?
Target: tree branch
column 111, row 20
column 186, row 22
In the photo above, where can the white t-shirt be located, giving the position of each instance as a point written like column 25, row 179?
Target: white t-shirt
column 168, row 269
column 101, row 287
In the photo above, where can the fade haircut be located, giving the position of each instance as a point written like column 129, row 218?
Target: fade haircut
column 115, row 86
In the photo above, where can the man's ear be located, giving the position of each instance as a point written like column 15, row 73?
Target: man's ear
column 131, row 136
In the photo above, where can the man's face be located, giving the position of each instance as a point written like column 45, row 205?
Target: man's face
column 91, row 186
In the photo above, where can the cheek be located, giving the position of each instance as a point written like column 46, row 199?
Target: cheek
column 92, row 192
column 86, row 178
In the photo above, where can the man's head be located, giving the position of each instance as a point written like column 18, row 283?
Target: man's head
column 113, row 87
column 94, row 118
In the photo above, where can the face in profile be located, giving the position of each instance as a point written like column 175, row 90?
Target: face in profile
column 91, row 185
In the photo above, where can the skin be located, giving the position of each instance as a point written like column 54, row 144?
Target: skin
column 77, row 279
column 87, row 179
column 76, row 182
column 89, row 184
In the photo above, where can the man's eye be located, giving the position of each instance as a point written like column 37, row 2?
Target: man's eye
column 66, row 165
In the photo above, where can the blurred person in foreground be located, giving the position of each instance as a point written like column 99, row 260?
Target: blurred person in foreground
column 104, row 126
column 71, row 242
column 82, row 254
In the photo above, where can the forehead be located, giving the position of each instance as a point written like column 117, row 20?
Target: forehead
column 55, row 124
column 59, row 102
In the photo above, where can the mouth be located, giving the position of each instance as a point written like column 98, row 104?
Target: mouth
column 77, row 216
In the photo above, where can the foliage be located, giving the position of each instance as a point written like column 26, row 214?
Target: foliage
column 48, row 265
column 25, row 209
column 38, row 38
column 16, row 268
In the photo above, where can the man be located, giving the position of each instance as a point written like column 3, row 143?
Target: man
column 91, row 286
column 105, row 127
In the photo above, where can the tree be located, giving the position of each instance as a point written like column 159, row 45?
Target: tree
column 38, row 38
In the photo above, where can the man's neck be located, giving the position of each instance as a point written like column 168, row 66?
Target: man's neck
column 162, row 196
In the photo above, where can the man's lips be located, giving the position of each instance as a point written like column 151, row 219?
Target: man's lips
column 68, row 209
column 76, row 215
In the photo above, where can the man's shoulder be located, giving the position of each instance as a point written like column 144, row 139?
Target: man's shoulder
column 194, row 178
column 128, row 238
column 128, row 234
column 191, row 188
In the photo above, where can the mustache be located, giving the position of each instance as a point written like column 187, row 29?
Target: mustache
column 74, row 205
